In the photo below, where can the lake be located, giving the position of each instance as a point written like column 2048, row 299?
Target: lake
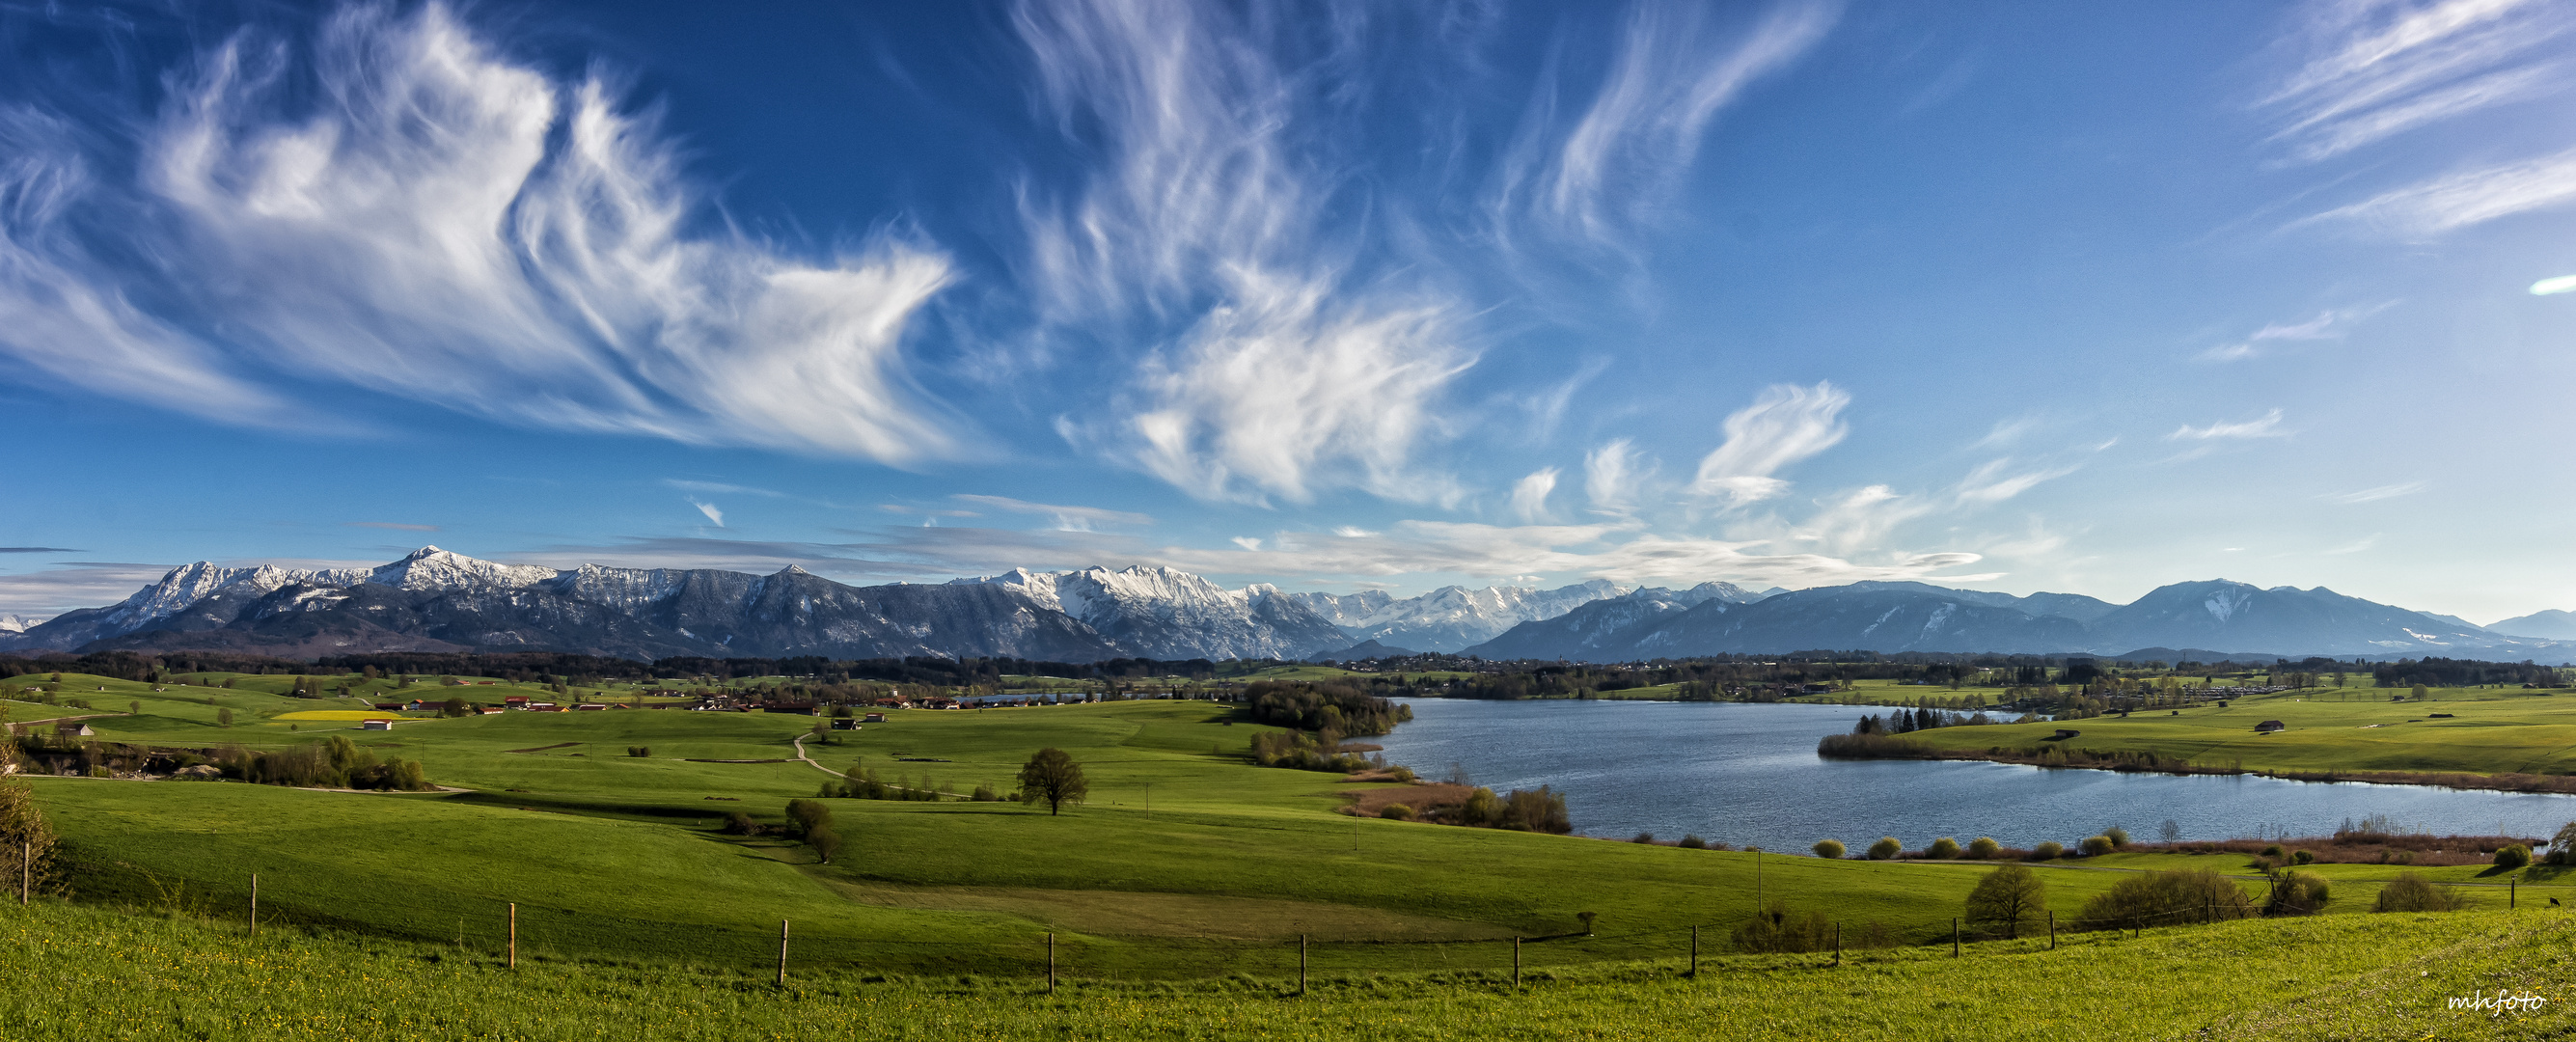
column 1749, row 774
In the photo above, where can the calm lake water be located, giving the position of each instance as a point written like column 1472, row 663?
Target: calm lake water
column 1749, row 774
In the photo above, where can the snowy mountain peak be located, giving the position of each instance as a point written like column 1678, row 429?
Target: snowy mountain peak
column 430, row 568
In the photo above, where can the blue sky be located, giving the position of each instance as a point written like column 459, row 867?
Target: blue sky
column 1328, row 295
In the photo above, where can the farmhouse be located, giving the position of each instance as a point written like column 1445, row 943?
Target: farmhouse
column 874, row 718
column 2270, row 726
column 74, row 728
column 375, row 725
column 2064, row 733
column 845, row 724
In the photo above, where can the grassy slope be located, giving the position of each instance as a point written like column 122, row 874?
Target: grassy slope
column 2491, row 731
column 616, row 856
column 92, row 975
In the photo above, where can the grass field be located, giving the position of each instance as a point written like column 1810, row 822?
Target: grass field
column 2486, row 731
column 88, row 974
column 1187, row 862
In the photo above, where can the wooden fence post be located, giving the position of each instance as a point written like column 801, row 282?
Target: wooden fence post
column 1838, row 944
column 1694, row 970
column 2510, row 890
column 1050, row 964
column 254, row 904
column 2052, row 930
column 1954, row 937
column 1301, row 964
column 782, row 953
column 514, row 935
column 1516, row 962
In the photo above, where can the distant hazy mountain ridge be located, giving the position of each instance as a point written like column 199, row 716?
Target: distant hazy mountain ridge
column 434, row 600
column 1891, row 617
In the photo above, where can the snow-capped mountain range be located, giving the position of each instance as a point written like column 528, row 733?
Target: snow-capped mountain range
column 435, row 600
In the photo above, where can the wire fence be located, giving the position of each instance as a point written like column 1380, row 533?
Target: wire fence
column 493, row 926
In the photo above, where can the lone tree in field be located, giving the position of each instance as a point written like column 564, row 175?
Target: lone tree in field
column 814, row 822
column 1051, row 775
column 2005, row 899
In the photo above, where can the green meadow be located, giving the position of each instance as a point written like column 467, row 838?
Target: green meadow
column 2478, row 731
column 91, row 974
column 1186, row 861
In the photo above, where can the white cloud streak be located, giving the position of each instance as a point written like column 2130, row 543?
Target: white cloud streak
column 2378, row 68
column 1669, row 76
column 1995, row 481
column 1783, row 426
column 2266, row 426
column 1067, row 518
column 2373, row 495
column 2464, row 198
column 714, row 516
column 1297, row 372
column 2328, row 325
column 451, row 226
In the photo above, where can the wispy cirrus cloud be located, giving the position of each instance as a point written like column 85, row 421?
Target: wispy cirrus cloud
column 2373, row 69
column 2464, row 198
column 435, row 220
column 1670, row 75
column 2373, row 495
column 2267, row 425
column 714, row 516
column 1998, row 479
column 1785, row 424
column 1067, row 518
column 38, row 550
column 1614, row 477
column 2327, row 325
column 1294, row 369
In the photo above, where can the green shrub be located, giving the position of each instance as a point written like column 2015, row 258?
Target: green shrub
column 2299, row 893
column 2165, row 899
column 1396, row 812
column 1828, row 848
column 1644, row 837
column 2512, row 856
column 2303, row 858
column 2273, row 851
column 1983, row 848
column 1886, row 847
column 2096, row 846
column 2411, row 892
column 2047, row 850
column 1781, row 930
column 2118, row 836
column 1945, row 848
column 1691, row 841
